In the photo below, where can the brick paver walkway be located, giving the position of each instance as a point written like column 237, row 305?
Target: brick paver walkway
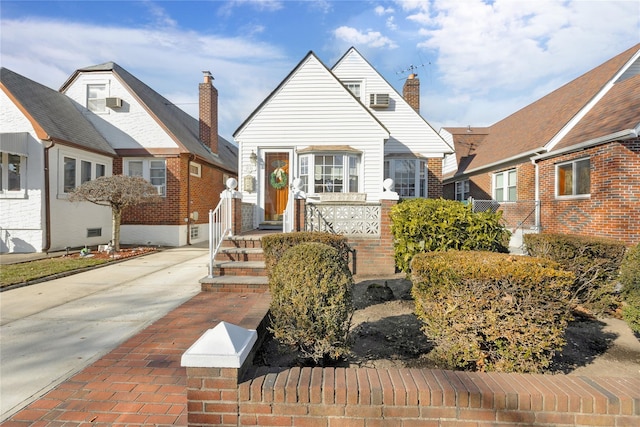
column 141, row 382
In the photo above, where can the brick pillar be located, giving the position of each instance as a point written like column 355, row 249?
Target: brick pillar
column 236, row 216
column 212, row 397
column 298, row 215
column 434, row 180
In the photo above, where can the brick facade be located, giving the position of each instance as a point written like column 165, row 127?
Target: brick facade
column 612, row 209
column 185, row 194
column 337, row 397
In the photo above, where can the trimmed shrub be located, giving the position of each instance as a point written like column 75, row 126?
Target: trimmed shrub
column 275, row 245
column 630, row 281
column 594, row 261
column 423, row 225
column 311, row 301
column 491, row 312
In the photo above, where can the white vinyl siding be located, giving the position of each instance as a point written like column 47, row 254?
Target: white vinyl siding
column 312, row 108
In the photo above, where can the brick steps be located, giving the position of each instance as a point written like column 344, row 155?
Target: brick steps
column 238, row 267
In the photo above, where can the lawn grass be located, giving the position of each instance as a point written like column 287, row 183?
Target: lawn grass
column 23, row 272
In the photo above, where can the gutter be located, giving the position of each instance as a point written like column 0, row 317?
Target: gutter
column 617, row 136
column 499, row 162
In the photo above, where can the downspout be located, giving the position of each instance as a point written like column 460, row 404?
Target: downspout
column 189, row 159
column 47, row 204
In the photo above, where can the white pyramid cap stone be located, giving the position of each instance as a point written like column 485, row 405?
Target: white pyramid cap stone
column 225, row 346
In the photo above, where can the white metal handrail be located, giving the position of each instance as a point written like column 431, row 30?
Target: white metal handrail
column 220, row 222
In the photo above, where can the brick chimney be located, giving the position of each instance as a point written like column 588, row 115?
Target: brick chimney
column 411, row 91
column 208, row 112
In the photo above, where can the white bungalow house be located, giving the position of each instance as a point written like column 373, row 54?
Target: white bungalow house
column 47, row 148
column 342, row 131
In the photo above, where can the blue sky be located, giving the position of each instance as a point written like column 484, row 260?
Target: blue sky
column 478, row 61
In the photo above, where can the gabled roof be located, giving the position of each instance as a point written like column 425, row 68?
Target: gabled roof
column 617, row 111
column 412, row 116
column 531, row 129
column 53, row 115
column 310, row 55
column 183, row 128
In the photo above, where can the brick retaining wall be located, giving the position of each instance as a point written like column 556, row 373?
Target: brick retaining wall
column 368, row 397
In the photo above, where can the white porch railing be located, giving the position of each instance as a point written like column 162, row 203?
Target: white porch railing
column 221, row 222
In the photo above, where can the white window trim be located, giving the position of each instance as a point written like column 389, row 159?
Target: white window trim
column 198, row 166
column 362, row 88
column 146, row 171
column 105, row 83
column 391, row 169
column 505, row 186
column 79, row 159
column 13, row 194
column 310, row 186
column 574, row 176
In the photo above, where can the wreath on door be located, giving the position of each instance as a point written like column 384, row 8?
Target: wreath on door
column 278, row 178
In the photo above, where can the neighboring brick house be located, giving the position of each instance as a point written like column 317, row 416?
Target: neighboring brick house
column 574, row 154
column 47, row 148
column 183, row 157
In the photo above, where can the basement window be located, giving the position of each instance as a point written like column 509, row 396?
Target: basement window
column 195, row 232
column 94, row 232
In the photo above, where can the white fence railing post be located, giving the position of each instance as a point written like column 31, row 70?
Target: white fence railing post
column 221, row 221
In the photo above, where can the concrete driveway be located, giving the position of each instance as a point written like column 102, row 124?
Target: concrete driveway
column 51, row 330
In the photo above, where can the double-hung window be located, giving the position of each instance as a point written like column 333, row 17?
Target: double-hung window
column 153, row 170
column 355, row 87
column 12, row 173
column 573, row 178
column 330, row 172
column 462, row 190
column 97, row 98
column 505, row 186
column 409, row 176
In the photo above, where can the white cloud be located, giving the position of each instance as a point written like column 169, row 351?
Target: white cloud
column 506, row 45
column 168, row 60
column 380, row 10
column 369, row 38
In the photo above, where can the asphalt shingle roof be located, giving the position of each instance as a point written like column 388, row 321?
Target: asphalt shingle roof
column 181, row 125
column 55, row 113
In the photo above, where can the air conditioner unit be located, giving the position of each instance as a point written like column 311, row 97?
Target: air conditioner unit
column 379, row 100
column 114, row 102
column 160, row 189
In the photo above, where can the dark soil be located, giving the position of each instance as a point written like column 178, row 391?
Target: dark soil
column 385, row 333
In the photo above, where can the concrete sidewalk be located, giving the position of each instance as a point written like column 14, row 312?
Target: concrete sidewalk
column 52, row 330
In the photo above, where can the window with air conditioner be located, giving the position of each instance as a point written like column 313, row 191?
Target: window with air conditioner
column 379, row 100
column 153, row 170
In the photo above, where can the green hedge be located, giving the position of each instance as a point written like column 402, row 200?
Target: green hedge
column 594, row 261
column 275, row 245
column 423, row 225
column 491, row 312
column 311, row 302
column 630, row 281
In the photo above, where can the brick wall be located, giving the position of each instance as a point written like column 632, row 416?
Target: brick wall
column 613, row 208
column 181, row 199
column 368, row 397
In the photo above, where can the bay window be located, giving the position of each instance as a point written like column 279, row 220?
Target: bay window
column 330, row 172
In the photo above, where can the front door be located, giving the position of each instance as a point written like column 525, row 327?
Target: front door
column 276, row 179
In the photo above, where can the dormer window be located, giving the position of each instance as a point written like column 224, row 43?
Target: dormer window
column 355, row 87
column 97, row 98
